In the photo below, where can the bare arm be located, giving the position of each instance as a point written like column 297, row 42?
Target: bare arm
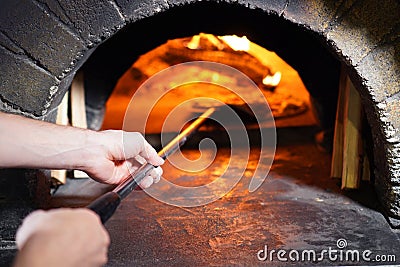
column 107, row 156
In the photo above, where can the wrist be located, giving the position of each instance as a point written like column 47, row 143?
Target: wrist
column 90, row 145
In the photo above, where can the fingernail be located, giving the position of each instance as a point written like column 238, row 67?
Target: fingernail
column 146, row 182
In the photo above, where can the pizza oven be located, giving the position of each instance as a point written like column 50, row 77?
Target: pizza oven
column 300, row 56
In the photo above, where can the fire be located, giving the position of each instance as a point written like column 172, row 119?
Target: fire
column 243, row 44
column 233, row 41
column 272, row 80
column 236, row 43
column 195, row 42
column 283, row 89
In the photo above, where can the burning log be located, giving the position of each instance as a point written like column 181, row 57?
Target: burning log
column 207, row 47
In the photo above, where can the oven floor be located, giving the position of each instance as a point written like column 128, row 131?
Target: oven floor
column 298, row 207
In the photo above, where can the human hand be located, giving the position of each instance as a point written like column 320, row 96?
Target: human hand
column 62, row 237
column 106, row 156
column 117, row 154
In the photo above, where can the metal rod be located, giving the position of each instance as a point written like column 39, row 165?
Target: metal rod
column 107, row 204
column 132, row 181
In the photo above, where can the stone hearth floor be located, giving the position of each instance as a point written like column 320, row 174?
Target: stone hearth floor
column 298, row 208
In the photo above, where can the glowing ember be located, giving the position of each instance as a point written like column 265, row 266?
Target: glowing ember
column 272, row 80
column 236, row 43
column 195, row 42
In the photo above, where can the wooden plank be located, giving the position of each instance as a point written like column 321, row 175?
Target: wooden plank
column 352, row 148
column 366, row 172
column 337, row 152
column 78, row 110
column 62, row 119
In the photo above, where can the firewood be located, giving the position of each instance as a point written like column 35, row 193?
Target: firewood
column 352, row 149
column 349, row 159
column 78, row 110
column 337, row 152
column 62, row 119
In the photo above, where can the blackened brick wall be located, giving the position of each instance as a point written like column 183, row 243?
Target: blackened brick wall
column 43, row 43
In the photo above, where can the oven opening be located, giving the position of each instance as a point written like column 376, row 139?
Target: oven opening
column 300, row 187
column 174, row 105
column 327, row 178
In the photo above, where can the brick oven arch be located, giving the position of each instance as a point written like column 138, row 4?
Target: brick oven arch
column 42, row 52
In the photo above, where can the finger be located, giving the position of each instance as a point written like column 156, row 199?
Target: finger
column 156, row 174
column 150, row 155
column 134, row 163
column 153, row 177
column 146, row 182
column 137, row 145
column 140, row 159
column 121, row 172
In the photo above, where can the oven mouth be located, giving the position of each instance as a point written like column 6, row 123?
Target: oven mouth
column 294, row 41
column 317, row 40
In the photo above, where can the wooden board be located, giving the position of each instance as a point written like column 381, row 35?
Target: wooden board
column 337, row 152
column 352, row 143
column 78, row 110
column 62, row 119
column 349, row 160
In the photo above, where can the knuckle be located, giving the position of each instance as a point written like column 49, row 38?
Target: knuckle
column 138, row 135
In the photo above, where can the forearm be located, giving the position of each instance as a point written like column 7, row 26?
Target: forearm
column 104, row 156
column 30, row 143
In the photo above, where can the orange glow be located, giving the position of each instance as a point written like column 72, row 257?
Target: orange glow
column 237, row 43
column 183, row 93
column 288, row 97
